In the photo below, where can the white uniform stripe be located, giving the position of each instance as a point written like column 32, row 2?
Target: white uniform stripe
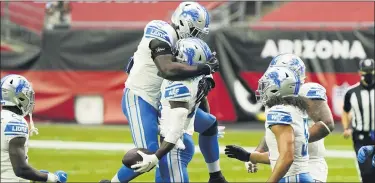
column 134, row 120
column 170, row 168
column 365, row 109
column 179, row 165
column 372, row 100
column 130, row 116
column 358, row 116
column 143, row 137
column 174, row 166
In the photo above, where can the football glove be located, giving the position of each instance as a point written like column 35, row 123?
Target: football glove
column 237, row 152
column 148, row 163
column 250, row 167
column 210, row 66
column 205, row 85
column 58, row 177
column 364, row 152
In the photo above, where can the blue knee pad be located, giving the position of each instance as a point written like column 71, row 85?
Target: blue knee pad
column 204, row 122
column 173, row 166
column 143, row 123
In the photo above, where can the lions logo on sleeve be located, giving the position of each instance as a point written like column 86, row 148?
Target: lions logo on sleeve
column 160, row 30
column 277, row 115
column 177, row 91
column 313, row 91
column 13, row 126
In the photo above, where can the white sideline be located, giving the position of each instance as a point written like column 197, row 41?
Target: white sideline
column 107, row 146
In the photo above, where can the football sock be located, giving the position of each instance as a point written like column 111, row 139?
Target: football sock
column 209, row 147
column 124, row 174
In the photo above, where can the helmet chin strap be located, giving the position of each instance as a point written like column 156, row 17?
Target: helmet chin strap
column 31, row 120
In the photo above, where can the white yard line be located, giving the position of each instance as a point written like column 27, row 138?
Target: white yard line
column 107, row 146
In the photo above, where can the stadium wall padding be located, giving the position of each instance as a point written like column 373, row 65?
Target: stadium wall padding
column 91, row 62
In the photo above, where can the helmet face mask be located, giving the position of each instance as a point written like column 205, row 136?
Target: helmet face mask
column 191, row 20
column 17, row 91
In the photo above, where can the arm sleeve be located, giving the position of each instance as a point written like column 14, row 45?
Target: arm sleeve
column 347, row 104
column 278, row 117
column 177, row 91
column 15, row 129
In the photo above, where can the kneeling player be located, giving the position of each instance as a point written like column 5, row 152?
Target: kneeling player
column 178, row 107
column 286, row 128
column 17, row 101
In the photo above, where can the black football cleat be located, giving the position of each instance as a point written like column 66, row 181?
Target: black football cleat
column 105, row 181
column 220, row 179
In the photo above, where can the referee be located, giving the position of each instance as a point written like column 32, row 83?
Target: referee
column 359, row 100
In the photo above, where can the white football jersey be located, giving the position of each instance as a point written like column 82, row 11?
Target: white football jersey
column 318, row 167
column 12, row 126
column 182, row 91
column 314, row 91
column 289, row 115
column 143, row 79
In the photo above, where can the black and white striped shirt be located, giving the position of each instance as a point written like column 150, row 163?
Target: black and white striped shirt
column 360, row 101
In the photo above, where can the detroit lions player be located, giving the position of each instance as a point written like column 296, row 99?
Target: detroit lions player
column 17, row 101
column 178, row 106
column 152, row 62
column 321, row 123
column 286, row 128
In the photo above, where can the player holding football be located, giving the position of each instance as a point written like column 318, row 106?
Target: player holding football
column 321, row 121
column 178, row 107
column 17, row 101
column 153, row 62
column 286, row 128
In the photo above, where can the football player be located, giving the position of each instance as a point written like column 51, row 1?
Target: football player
column 153, row 62
column 286, row 127
column 17, row 101
column 321, row 121
column 178, row 106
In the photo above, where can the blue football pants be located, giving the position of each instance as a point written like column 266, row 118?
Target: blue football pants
column 143, row 123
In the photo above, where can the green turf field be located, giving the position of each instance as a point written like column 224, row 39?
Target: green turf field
column 91, row 166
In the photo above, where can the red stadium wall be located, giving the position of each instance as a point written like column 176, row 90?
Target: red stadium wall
column 56, row 92
column 322, row 12
column 143, row 11
column 31, row 14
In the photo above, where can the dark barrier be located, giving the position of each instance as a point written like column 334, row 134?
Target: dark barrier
column 76, row 65
column 331, row 59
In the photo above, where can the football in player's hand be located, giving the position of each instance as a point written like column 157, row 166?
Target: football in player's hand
column 132, row 157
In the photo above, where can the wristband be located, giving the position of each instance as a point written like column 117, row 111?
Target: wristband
column 329, row 131
column 51, row 177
